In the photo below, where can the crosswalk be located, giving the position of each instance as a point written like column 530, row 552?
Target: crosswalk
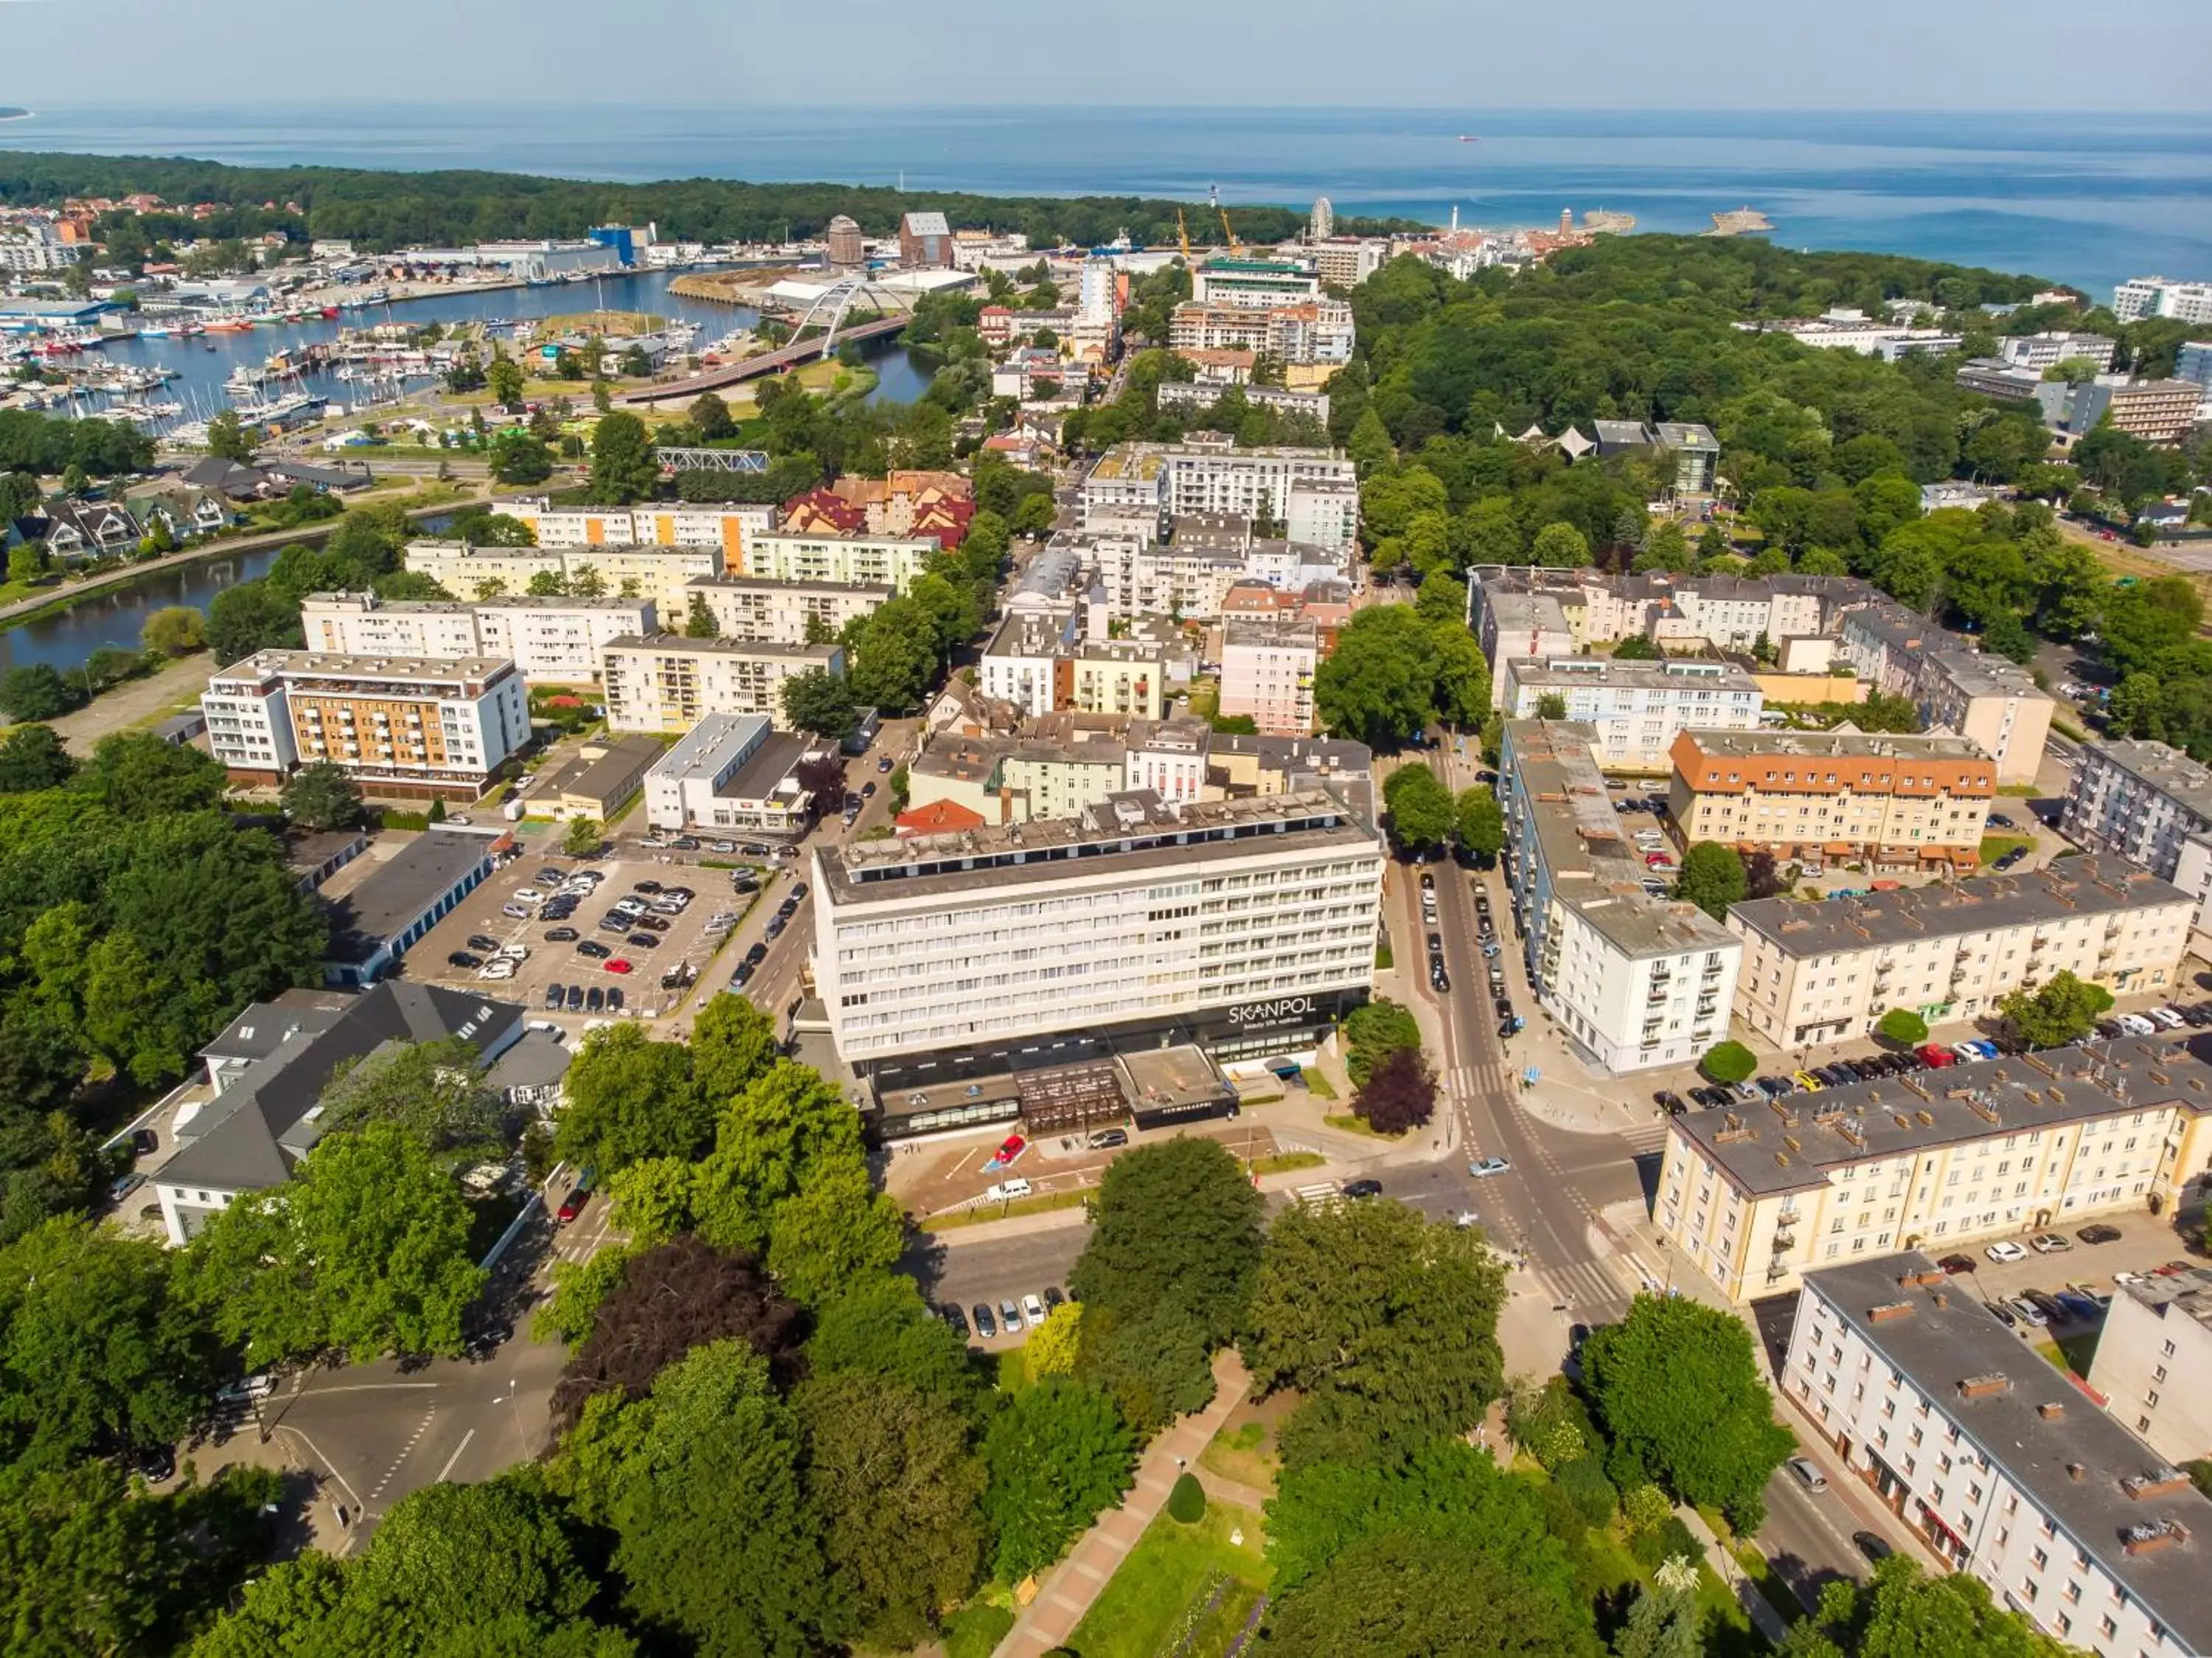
column 1582, row 1286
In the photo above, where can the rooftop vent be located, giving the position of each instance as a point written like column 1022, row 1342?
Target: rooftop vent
column 1889, row 1310
column 2154, row 1482
column 2077, row 1471
column 2152, row 1534
column 2050, row 1409
column 1984, row 1386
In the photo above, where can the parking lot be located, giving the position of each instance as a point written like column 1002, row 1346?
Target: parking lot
column 2056, row 1285
column 1643, row 819
column 517, row 909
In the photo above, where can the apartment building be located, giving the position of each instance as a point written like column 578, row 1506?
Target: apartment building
column 1203, row 394
column 1994, row 701
column 1827, row 972
column 1637, row 708
column 1511, row 622
column 1322, row 512
column 1894, row 802
column 761, row 608
column 667, row 682
column 551, row 641
column 1267, row 672
column 1348, row 261
column 1188, row 574
column 1634, row 979
column 1254, row 284
column 2157, row 296
column 2137, row 799
column 1756, row 1197
column 1041, row 661
column 724, row 526
column 865, row 560
column 1315, row 332
column 2153, row 1353
column 657, row 574
column 2001, row 378
column 403, row 727
column 1246, row 927
column 2003, row 1469
column 2050, row 348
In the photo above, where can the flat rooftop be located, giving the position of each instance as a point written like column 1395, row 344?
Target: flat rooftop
column 2189, row 1293
column 1681, row 675
column 1133, row 831
column 389, row 897
column 705, row 747
column 772, row 584
column 1834, row 746
column 391, row 670
column 2165, row 768
column 2072, row 1458
column 679, row 644
column 2082, row 885
column 1977, row 674
column 1923, row 1110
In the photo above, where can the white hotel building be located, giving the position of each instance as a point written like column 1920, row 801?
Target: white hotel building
column 1247, row 927
column 552, row 641
column 2007, row 1470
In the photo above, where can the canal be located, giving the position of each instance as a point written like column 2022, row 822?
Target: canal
column 115, row 617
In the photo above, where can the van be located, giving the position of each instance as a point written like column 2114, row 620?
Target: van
column 1007, row 1191
column 515, row 951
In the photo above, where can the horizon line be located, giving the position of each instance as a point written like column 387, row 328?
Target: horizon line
column 2193, row 113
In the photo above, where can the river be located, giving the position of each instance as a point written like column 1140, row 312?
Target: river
column 115, row 617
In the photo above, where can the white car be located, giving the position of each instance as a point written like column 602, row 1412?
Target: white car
column 1033, row 1309
column 529, row 895
column 2003, row 1254
column 248, row 1388
column 1484, row 1167
column 499, row 966
column 2166, row 1018
column 2135, row 1025
column 515, row 951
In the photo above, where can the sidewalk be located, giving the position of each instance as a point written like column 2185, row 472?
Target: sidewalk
column 1068, row 1590
column 1768, row 1622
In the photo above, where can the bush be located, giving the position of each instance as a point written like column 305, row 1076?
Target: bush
column 1186, row 1501
column 1731, row 1062
column 1670, row 1538
column 1586, row 1486
column 976, row 1631
column 1645, row 1507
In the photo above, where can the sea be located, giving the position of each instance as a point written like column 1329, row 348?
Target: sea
column 2087, row 199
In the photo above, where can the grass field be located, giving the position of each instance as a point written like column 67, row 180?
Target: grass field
column 1995, row 846
column 1282, row 1162
column 1180, row 1580
column 1351, row 1124
column 1002, row 1211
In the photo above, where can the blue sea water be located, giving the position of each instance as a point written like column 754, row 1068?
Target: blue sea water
column 2087, row 199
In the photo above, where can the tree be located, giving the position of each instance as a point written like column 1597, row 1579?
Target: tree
column 710, row 417
column 1481, row 824
column 37, row 692
column 1712, row 877
column 504, row 375
column 624, row 469
column 1176, row 1223
column 1762, row 876
column 32, row 759
column 433, row 1092
column 1903, row 1027
column 1560, row 546
column 1379, row 686
column 1400, row 1095
column 249, row 617
column 226, row 438
column 1187, row 1500
column 898, row 1494
column 834, row 1229
column 26, row 563
column 320, row 796
column 1550, row 706
column 699, row 622
column 1677, row 1390
column 1729, row 1062
column 1057, row 1456
column 733, row 1044
column 1054, row 1346
column 364, row 1250
column 627, row 1098
column 1373, row 1032
column 1637, row 649
column 582, row 838
column 96, row 1354
column 895, row 657
column 519, row 458
column 2064, row 1010
column 1399, row 1351
column 879, row 1326
column 174, row 630
column 1422, row 814
column 1423, row 1597
column 1665, row 1620
column 818, row 702
column 671, row 1300
column 1904, row 1613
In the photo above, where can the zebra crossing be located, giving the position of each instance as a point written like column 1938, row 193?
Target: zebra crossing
column 1583, row 1286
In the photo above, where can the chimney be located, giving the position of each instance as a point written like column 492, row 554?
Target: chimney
column 1939, row 1297
column 2076, row 1473
column 1982, row 1386
column 1889, row 1310
column 2052, row 1411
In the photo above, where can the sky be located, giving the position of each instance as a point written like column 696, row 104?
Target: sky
column 1444, row 54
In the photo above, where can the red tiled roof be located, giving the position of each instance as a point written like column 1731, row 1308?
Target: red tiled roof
column 938, row 818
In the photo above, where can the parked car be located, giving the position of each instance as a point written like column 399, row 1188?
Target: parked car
column 1807, row 1475
column 953, row 1316
column 1010, row 1317
column 486, row 946
column 1483, row 1167
column 575, row 998
column 1362, row 1188
column 595, row 1000
column 1872, row 1547
column 592, row 950
column 1807, row 1081
column 2098, row 1234
column 2005, row 1252
column 1670, row 1102
column 1955, row 1264
column 573, row 1205
column 2027, row 1312
column 2050, row 1243
column 614, row 998
column 2002, row 1313
column 2083, row 1309
column 144, row 1142
column 2165, row 1018
column 643, row 941
column 1033, row 1309
column 562, row 936
column 616, row 965
column 986, row 1325
column 246, row 1389
column 463, row 959
column 1107, row 1139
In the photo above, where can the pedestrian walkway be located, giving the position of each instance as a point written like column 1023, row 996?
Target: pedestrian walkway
column 1068, row 1590
column 1763, row 1618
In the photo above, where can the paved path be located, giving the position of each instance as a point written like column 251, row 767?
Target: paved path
column 1763, row 1616
column 1070, row 1587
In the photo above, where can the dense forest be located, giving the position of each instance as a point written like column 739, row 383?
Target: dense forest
column 382, row 210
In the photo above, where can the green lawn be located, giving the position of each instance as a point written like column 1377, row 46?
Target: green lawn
column 1351, row 1124
column 1245, row 1453
column 1172, row 1575
column 1995, row 846
column 1282, row 1162
column 976, row 1631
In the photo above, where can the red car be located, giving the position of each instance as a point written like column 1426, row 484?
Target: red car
column 1007, row 1153
column 573, row 1205
column 616, row 965
column 1936, row 1056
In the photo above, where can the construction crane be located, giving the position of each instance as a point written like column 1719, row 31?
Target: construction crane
column 1236, row 248
column 1183, row 235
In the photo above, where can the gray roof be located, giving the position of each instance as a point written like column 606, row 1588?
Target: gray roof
column 264, row 1027
column 2082, row 885
column 701, row 751
column 539, row 1059
column 390, row 898
column 1864, row 1122
column 1687, row 434
column 1941, row 1342
column 1978, row 674
column 2172, row 773
column 255, row 1130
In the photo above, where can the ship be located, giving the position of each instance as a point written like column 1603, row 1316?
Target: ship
column 1468, row 138
column 1743, row 222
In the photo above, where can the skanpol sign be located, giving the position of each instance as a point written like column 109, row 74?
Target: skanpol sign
column 1276, row 1012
